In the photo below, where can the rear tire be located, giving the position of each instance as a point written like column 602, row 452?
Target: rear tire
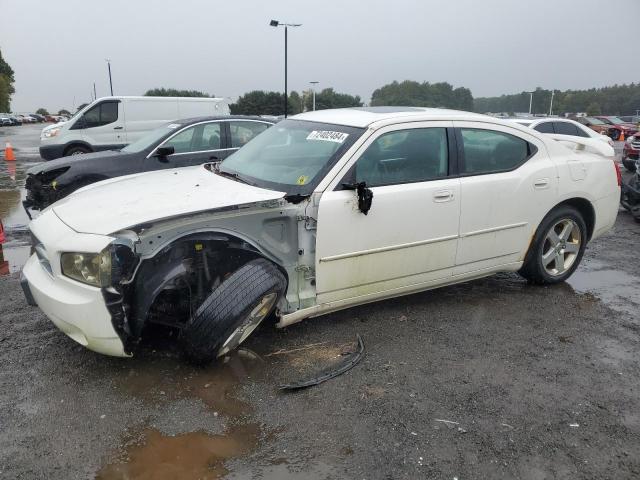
column 232, row 311
column 557, row 247
column 76, row 150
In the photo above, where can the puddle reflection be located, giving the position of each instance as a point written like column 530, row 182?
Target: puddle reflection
column 616, row 288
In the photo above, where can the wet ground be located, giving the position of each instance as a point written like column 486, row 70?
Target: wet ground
column 487, row 379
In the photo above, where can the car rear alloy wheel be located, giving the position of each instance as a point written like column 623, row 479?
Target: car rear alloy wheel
column 561, row 247
column 557, row 247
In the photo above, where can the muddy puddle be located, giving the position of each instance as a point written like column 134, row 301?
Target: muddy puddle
column 159, row 380
column 616, row 288
column 195, row 455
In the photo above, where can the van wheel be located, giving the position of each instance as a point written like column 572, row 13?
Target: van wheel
column 557, row 247
column 76, row 150
column 233, row 311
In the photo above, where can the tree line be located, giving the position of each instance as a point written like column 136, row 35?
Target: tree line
column 614, row 100
column 6, row 85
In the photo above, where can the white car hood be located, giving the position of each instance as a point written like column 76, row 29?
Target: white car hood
column 116, row 204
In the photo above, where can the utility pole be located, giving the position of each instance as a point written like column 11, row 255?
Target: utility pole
column 276, row 23
column 110, row 82
column 551, row 106
column 530, row 101
column 95, row 95
column 313, row 89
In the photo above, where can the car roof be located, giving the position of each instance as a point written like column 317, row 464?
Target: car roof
column 365, row 116
column 192, row 120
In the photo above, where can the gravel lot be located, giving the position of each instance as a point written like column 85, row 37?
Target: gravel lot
column 488, row 379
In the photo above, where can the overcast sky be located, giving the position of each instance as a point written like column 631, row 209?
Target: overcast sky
column 57, row 48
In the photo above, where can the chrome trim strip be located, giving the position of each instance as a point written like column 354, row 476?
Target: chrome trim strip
column 493, row 229
column 342, row 256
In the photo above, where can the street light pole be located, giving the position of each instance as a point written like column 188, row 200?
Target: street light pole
column 530, row 101
column 276, row 23
column 313, row 89
column 551, row 106
column 110, row 82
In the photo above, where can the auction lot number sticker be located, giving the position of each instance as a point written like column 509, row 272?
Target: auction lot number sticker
column 328, row 136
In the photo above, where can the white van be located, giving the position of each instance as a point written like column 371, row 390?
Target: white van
column 110, row 123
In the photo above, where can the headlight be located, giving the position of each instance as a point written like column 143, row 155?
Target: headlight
column 51, row 133
column 90, row 268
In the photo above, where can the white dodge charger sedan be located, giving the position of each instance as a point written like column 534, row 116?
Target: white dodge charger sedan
column 321, row 212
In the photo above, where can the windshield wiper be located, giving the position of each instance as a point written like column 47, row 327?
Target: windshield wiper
column 234, row 176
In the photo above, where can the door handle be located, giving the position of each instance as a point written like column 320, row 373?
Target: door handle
column 117, row 128
column 541, row 183
column 443, row 196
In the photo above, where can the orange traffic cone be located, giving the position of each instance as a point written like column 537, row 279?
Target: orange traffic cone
column 8, row 153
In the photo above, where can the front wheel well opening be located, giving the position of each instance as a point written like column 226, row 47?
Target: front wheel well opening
column 171, row 286
column 587, row 211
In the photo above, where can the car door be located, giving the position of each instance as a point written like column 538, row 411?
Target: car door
column 408, row 238
column 102, row 126
column 193, row 145
column 507, row 184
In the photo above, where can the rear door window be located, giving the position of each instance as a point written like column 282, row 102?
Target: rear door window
column 489, row 151
column 242, row 132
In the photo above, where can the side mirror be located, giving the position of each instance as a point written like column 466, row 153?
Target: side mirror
column 365, row 195
column 163, row 152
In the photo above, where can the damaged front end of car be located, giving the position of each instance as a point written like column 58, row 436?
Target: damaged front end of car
column 43, row 188
column 163, row 272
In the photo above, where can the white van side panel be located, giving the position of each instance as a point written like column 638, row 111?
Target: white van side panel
column 143, row 115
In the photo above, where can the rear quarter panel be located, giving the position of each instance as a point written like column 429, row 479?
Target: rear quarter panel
column 590, row 176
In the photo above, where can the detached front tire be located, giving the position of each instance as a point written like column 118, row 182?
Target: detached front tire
column 557, row 247
column 233, row 311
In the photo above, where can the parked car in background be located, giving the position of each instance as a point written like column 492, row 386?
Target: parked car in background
column 617, row 127
column 562, row 126
column 24, row 118
column 112, row 122
column 49, row 118
column 12, row 119
column 5, row 120
column 632, row 119
column 630, row 152
column 594, row 124
column 39, row 118
column 178, row 144
column 323, row 211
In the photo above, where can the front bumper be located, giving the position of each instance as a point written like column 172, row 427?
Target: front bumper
column 51, row 152
column 77, row 309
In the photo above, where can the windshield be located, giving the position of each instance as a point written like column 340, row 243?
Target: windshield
column 595, row 121
column 615, row 120
column 151, row 138
column 292, row 156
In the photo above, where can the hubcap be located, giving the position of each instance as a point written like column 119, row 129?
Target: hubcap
column 561, row 247
column 250, row 323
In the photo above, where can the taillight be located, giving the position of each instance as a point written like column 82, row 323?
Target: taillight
column 618, row 173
